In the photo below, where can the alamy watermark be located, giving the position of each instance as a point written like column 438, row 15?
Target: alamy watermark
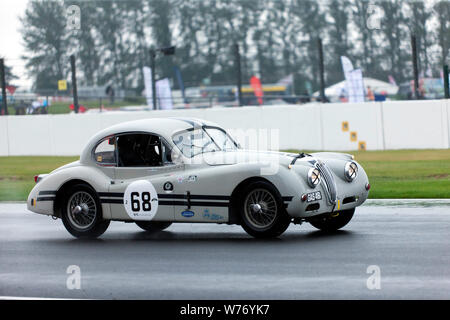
column 73, row 16
column 257, row 147
column 374, row 280
column 74, row 279
column 374, row 16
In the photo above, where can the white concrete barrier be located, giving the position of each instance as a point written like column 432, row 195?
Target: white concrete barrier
column 377, row 126
column 4, row 140
column 416, row 124
column 364, row 121
column 448, row 122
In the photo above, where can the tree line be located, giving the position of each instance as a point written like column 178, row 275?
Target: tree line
column 276, row 38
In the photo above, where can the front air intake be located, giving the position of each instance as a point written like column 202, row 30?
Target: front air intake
column 328, row 178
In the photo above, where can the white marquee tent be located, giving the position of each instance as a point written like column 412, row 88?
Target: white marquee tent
column 377, row 86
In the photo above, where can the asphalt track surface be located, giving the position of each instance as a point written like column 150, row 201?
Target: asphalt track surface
column 409, row 242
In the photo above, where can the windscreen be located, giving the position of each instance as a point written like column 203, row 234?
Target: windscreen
column 205, row 139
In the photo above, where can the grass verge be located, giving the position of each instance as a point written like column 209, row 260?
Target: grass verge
column 393, row 174
column 17, row 174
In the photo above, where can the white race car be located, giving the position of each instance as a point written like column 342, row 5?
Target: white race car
column 158, row 171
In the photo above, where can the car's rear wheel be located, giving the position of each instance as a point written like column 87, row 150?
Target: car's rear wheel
column 262, row 211
column 82, row 212
column 332, row 221
column 153, row 226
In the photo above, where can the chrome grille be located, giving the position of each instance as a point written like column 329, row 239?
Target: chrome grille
column 329, row 181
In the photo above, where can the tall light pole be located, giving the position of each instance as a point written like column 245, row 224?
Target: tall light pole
column 167, row 51
column 4, row 105
column 237, row 57
column 415, row 68
column 446, row 87
column 152, row 68
column 321, row 70
column 74, row 83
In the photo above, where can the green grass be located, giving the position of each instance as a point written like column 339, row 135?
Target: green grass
column 392, row 174
column 17, row 174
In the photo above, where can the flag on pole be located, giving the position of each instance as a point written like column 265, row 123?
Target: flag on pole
column 353, row 80
column 355, row 86
column 288, row 82
column 164, row 94
column 148, row 85
column 347, row 65
column 392, row 80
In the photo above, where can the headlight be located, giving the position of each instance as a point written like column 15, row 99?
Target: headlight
column 313, row 177
column 351, row 171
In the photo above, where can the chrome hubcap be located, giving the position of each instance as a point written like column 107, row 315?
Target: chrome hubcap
column 260, row 208
column 81, row 210
column 256, row 208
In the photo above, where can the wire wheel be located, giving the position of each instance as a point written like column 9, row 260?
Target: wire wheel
column 81, row 210
column 260, row 208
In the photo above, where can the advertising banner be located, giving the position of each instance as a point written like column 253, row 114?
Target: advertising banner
column 148, row 85
column 164, row 94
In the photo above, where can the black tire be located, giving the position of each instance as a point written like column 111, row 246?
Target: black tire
column 279, row 221
column 153, row 226
column 329, row 222
column 96, row 226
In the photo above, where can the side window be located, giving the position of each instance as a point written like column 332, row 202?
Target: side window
column 105, row 152
column 139, row 150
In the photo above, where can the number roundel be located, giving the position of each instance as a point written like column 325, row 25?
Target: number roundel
column 141, row 200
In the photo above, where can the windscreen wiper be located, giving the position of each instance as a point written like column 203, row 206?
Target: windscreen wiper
column 299, row 156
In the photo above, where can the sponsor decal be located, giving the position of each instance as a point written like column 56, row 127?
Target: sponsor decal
column 187, row 214
column 168, row 186
column 212, row 216
column 141, row 200
column 192, row 178
column 180, row 179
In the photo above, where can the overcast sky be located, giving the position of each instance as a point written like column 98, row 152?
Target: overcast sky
column 11, row 47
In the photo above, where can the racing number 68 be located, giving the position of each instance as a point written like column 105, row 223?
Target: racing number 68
column 145, row 200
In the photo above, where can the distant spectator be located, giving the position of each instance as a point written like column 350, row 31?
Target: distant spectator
column 380, row 97
column 305, row 98
column 81, row 109
column 370, row 95
column 325, row 100
column 343, row 98
column 110, row 93
column 20, row 107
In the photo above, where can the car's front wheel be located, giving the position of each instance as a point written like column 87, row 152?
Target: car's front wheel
column 153, row 226
column 332, row 221
column 82, row 212
column 262, row 211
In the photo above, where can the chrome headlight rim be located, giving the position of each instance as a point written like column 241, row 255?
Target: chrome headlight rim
column 351, row 171
column 313, row 177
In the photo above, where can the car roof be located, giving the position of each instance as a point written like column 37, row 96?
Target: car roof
column 164, row 127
